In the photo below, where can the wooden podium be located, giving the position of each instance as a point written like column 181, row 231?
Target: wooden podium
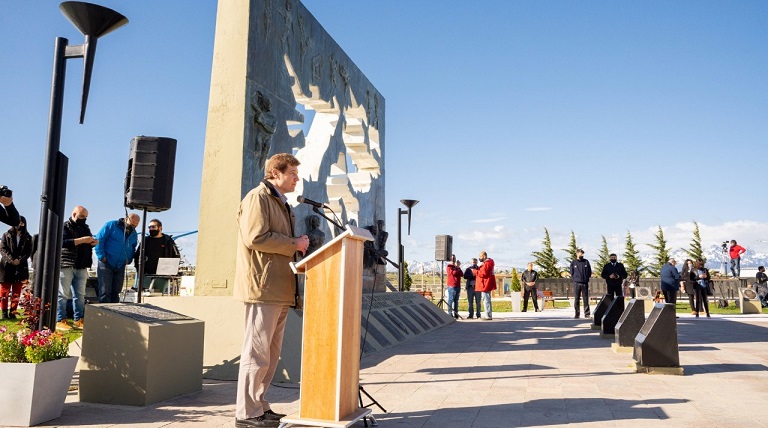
column 330, row 355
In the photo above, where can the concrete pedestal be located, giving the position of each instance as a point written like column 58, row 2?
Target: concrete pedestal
column 139, row 354
column 656, row 344
column 611, row 317
column 600, row 310
column 749, row 302
column 629, row 324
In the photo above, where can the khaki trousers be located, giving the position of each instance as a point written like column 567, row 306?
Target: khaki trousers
column 262, row 342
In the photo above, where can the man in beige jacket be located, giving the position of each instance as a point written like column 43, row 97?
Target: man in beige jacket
column 265, row 283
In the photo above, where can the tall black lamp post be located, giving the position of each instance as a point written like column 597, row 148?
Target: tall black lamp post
column 409, row 203
column 93, row 21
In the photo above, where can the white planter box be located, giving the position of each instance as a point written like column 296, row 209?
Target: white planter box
column 516, row 299
column 36, row 392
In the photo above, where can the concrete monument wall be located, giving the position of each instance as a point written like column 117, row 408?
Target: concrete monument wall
column 280, row 83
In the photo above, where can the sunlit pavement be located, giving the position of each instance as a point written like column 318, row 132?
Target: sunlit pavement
column 522, row 369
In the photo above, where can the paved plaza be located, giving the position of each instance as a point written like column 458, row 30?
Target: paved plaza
column 518, row 370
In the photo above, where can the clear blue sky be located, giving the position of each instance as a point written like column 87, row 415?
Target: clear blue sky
column 502, row 117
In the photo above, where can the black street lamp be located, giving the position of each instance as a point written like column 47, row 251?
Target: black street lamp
column 93, row 21
column 409, row 203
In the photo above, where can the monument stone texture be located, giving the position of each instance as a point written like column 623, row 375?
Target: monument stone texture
column 281, row 84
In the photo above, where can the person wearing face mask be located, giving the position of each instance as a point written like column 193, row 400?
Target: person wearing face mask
column 115, row 248
column 15, row 249
column 156, row 246
column 614, row 275
column 581, row 270
column 688, row 281
column 76, row 258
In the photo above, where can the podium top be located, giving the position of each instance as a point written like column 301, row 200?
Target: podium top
column 351, row 232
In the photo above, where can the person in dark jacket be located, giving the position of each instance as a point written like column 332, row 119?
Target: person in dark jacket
column 15, row 249
column 156, row 246
column 530, row 277
column 688, row 276
column 581, row 270
column 76, row 258
column 614, row 275
column 702, row 282
column 473, row 298
column 670, row 281
column 8, row 213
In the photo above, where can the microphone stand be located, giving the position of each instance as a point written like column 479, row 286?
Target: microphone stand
column 338, row 225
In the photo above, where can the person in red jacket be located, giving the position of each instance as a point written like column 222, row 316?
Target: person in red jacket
column 455, row 274
column 735, row 252
column 485, row 282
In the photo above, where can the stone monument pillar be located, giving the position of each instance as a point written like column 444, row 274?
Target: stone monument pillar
column 280, row 83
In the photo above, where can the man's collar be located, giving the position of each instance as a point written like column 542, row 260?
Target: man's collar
column 274, row 191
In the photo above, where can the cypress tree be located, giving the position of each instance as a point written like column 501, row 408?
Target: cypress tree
column 694, row 251
column 545, row 259
column 603, row 257
column 661, row 256
column 632, row 256
column 571, row 250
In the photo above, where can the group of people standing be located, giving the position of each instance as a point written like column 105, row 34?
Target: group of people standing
column 480, row 282
column 115, row 246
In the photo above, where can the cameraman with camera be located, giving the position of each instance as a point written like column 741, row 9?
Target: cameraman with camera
column 8, row 213
column 735, row 251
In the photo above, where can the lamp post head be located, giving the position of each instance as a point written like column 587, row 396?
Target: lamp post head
column 93, row 21
column 409, row 203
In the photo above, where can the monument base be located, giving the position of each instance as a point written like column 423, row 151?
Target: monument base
column 607, row 336
column 622, row 349
column 639, row 368
column 595, row 327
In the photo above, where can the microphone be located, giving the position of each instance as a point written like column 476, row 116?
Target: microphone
column 304, row 200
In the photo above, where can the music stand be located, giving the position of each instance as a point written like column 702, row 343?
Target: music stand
column 168, row 269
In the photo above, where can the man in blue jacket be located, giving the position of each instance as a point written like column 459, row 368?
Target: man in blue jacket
column 116, row 245
column 581, row 270
column 670, row 281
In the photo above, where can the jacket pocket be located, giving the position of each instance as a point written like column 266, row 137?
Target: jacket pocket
column 263, row 282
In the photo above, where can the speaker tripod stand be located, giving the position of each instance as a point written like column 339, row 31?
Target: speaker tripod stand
column 373, row 402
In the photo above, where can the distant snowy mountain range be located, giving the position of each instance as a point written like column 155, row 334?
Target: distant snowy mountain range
column 714, row 255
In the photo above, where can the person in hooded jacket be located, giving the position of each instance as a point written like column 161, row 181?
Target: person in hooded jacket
column 15, row 250
column 485, row 282
column 455, row 274
column 116, row 246
column 581, row 270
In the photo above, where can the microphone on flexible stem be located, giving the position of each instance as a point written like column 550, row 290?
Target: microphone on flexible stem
column 304, row 200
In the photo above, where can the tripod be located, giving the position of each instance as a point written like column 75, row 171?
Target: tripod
column 726, row 259
column 373, row 402
column 442, row 304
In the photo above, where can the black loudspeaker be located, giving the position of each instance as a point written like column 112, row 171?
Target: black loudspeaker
column 443, row 247
column 149, row 179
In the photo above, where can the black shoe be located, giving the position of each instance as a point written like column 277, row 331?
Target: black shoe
column 469, row 317
column 272, row 416
column 576, row 316
column 258, row 421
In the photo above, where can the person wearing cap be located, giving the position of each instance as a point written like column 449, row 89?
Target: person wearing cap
column 15, row 250
column 670, row 281
column 581, row 270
